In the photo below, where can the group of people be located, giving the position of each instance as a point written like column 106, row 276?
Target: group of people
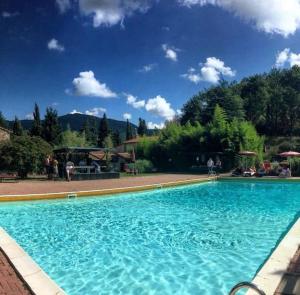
column 51, row 167
column 211, row 165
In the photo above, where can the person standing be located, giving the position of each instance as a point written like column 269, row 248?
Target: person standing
column 69, row 170
column 218, row 166
column 210, row 165
column 47, row 166
column 55, row 167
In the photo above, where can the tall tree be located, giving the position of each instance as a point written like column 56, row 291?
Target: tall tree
column 103, row 131
column 3, row 121
column 36, row 129
column 51, row 128
column 116, row 138
column 142, row 128
column 17, row 127
column 129, row 133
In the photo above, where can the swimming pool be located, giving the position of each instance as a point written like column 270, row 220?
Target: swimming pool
column 197, row 239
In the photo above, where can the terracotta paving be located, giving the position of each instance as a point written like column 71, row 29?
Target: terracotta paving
column 290, row 282
column 10, row 283
column 40, row 187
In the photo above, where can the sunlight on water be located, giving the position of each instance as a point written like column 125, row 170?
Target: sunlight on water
column 199, row 239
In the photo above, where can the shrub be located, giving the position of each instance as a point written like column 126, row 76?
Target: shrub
column 24, row 154
column 143, row 166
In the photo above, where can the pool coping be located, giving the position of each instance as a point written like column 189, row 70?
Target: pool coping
column 37, row 281
column 103, row 192
column 270, row 274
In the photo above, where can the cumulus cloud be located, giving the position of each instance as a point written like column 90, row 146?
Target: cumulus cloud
column 210, row 71
column 270, row 16
column 134, row 102
column 29, row 116
column 6, row 14
column 111, row 12
column 127, row 116
column 75, row 112
column 95, row 112
column 87, row 85
column 63, row 5
column 170, row 52
column 160, row 107
column 287, row 57
column 54, row 45
column 147, row 68
column 152, row 125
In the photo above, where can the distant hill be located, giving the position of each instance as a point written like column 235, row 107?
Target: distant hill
column 76, row 121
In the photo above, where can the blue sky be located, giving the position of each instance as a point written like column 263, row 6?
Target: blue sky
column 134, row 58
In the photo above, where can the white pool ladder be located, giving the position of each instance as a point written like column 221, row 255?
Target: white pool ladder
column 243, row 285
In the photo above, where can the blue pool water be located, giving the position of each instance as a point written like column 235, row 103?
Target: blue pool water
column 199, row 239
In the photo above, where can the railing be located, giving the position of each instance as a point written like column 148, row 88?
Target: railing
column 243, row 285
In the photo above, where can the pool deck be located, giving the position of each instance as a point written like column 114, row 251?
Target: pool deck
column 31, row 190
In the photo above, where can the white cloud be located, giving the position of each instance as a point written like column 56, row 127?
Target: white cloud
column 63, row 5
column 111, row 12
column 6, row 14
column 95, row 112
column 127, row 116
column 152, row 125
column 87, row 85
column 75, row 112
column 271, row 16
column 179, row 112
column 134, row 102
column 287, row 57
column 147, row 68
column 170, row 52
column 160, row 107
column 282, row 57
column 54, row 45
column 210, row 71
column 29, row 116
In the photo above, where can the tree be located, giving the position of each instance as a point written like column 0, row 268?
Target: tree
column 142, row 128
column 103, row 131
column 17, row 127
column 71, row 138
column 129, row 132
column 3, row 121
column 24, row 154
column 116, row 138
column 51, row 129
column 36, row 129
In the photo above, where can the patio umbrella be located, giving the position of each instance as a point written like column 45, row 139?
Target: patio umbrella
column 133, row 156
column 290, row 154
column 247, row 154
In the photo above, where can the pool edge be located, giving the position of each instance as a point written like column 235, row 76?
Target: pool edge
column 104, row 192
column 28, row 270
column 271, row 273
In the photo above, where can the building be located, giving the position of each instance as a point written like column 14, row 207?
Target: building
column 4, row 134
column 129, row 145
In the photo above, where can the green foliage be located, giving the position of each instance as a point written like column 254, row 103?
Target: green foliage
column 51, row 129
column 271, row 102
column 177, row 145
column 143, row 166
column 89, row 129
column 17, row 127
column 116, row 138
column 108, row 143
column 24, row 154
column 129, row 131
column 71, row 138
column 36, row 129
column 142, row 128
column 103, row 131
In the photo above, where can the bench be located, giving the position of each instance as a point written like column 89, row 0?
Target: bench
column 8, row 177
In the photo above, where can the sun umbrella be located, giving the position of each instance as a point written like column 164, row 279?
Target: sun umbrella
column 133, row 156
column 290, row 154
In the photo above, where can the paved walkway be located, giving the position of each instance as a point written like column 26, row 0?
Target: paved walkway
column 41, row 187
column 290, row 282
column 10, row 283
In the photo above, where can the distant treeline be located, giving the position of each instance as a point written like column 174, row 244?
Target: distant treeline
column 271, row 101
